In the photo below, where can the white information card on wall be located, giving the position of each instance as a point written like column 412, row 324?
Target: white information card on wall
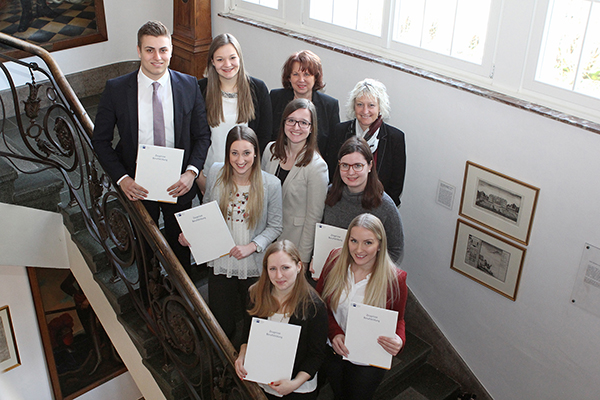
column 271, row 350
column 586, row 293
column 365, row 325
column 327, row 238
column 158, row 168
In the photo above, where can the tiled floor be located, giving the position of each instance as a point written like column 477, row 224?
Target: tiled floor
column 65, row 20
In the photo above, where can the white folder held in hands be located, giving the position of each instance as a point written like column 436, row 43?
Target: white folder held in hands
column 157, row 168
column 206, row 230
column 365, row 325
column 327, row 238
column 271, row 351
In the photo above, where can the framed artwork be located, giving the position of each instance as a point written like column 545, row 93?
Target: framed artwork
column 487, row 259
column 499, row 202
column 79, row 354
column 9, row 353
column 52, row 24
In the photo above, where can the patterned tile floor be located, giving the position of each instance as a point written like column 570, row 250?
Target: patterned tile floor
column 70, row 20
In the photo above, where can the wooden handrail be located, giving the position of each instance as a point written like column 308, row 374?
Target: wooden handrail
column 136, row 211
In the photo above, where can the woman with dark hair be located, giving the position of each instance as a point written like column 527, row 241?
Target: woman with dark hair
column 282, row 294
column 250, row 201
column 295, row 160
column 232, row 98
column 361, row 271
column 302, row 77
column 356, row 189
column 368, row 106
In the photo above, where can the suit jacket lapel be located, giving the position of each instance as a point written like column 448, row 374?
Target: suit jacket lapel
column 381, row 146
column 132, row 104
column 178, row 94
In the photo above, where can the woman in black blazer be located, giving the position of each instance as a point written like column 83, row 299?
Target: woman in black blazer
column 302, row 77
column 232, row 98
column 283, row 294
column 368, row 105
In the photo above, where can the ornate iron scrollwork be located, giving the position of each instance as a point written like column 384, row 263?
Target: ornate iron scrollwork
column 57, row 137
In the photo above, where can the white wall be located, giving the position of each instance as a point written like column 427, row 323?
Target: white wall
column 541, row 346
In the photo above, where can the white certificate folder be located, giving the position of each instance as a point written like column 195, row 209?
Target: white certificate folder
column 206, row 230
column 157, row 169
column 327, row 238
column 271, row 351
column 365, row 325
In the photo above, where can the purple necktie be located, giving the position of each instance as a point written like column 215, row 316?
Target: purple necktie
column 158, row 119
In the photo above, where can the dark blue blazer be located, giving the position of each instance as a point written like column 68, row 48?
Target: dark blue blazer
column 119, row 107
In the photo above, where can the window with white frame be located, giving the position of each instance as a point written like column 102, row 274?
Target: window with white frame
column 570, row 51
column 266, row 3
column 547, row 51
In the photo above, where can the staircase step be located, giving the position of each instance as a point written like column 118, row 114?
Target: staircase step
column 91, row 250
column 146, row 343
column 413, row 355
column 427, row 383
column 169, row 381
column 116, row 292
column 40, row 190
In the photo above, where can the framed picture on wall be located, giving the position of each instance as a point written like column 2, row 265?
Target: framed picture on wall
column 79, row 354
column 499, row 202
column 487, row 259
column 53, row 25
column 9, row 353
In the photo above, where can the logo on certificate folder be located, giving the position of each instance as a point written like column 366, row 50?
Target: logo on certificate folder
column 354, row 305
column 143, row 147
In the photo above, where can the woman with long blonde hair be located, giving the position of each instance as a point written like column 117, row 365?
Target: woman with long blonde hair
column 283, row 294
column 250, row 201
column 232, row 98
column 363, row 272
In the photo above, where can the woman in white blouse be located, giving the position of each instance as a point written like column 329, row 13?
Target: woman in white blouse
column 250, row 200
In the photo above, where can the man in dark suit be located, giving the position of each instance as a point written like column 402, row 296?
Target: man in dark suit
column 155, row 106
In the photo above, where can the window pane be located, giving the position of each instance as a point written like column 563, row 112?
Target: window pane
column 470, row 29
column 438, row 25
column 408, row 23
column 562, row 45
column 321, row 10
column 344, row 13
column 370, row 16
column 267, row 3
column 589, row 69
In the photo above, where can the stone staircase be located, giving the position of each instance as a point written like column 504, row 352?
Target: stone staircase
column 411, row 376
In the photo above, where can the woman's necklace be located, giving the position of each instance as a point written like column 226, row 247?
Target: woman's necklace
column 229, row 95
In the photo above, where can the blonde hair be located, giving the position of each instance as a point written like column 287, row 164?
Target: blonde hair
column 383, row 278
column 225, row 178
column 214, row 97
column 372, row 89
column 301, row 296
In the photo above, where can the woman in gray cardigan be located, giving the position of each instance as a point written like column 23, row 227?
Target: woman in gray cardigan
column 356, row 189
column 250, row 201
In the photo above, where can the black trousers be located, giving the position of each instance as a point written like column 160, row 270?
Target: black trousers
column 349, row 381
column 295, row 396
column 227, row 299
column 172, row 229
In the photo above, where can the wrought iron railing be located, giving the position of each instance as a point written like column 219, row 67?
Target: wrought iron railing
column 58, row 138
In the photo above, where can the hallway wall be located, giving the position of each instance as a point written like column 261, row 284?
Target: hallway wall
column 540, row 346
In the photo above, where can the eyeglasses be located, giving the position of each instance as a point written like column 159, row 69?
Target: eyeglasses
column 356, row 167
column 302, row 124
